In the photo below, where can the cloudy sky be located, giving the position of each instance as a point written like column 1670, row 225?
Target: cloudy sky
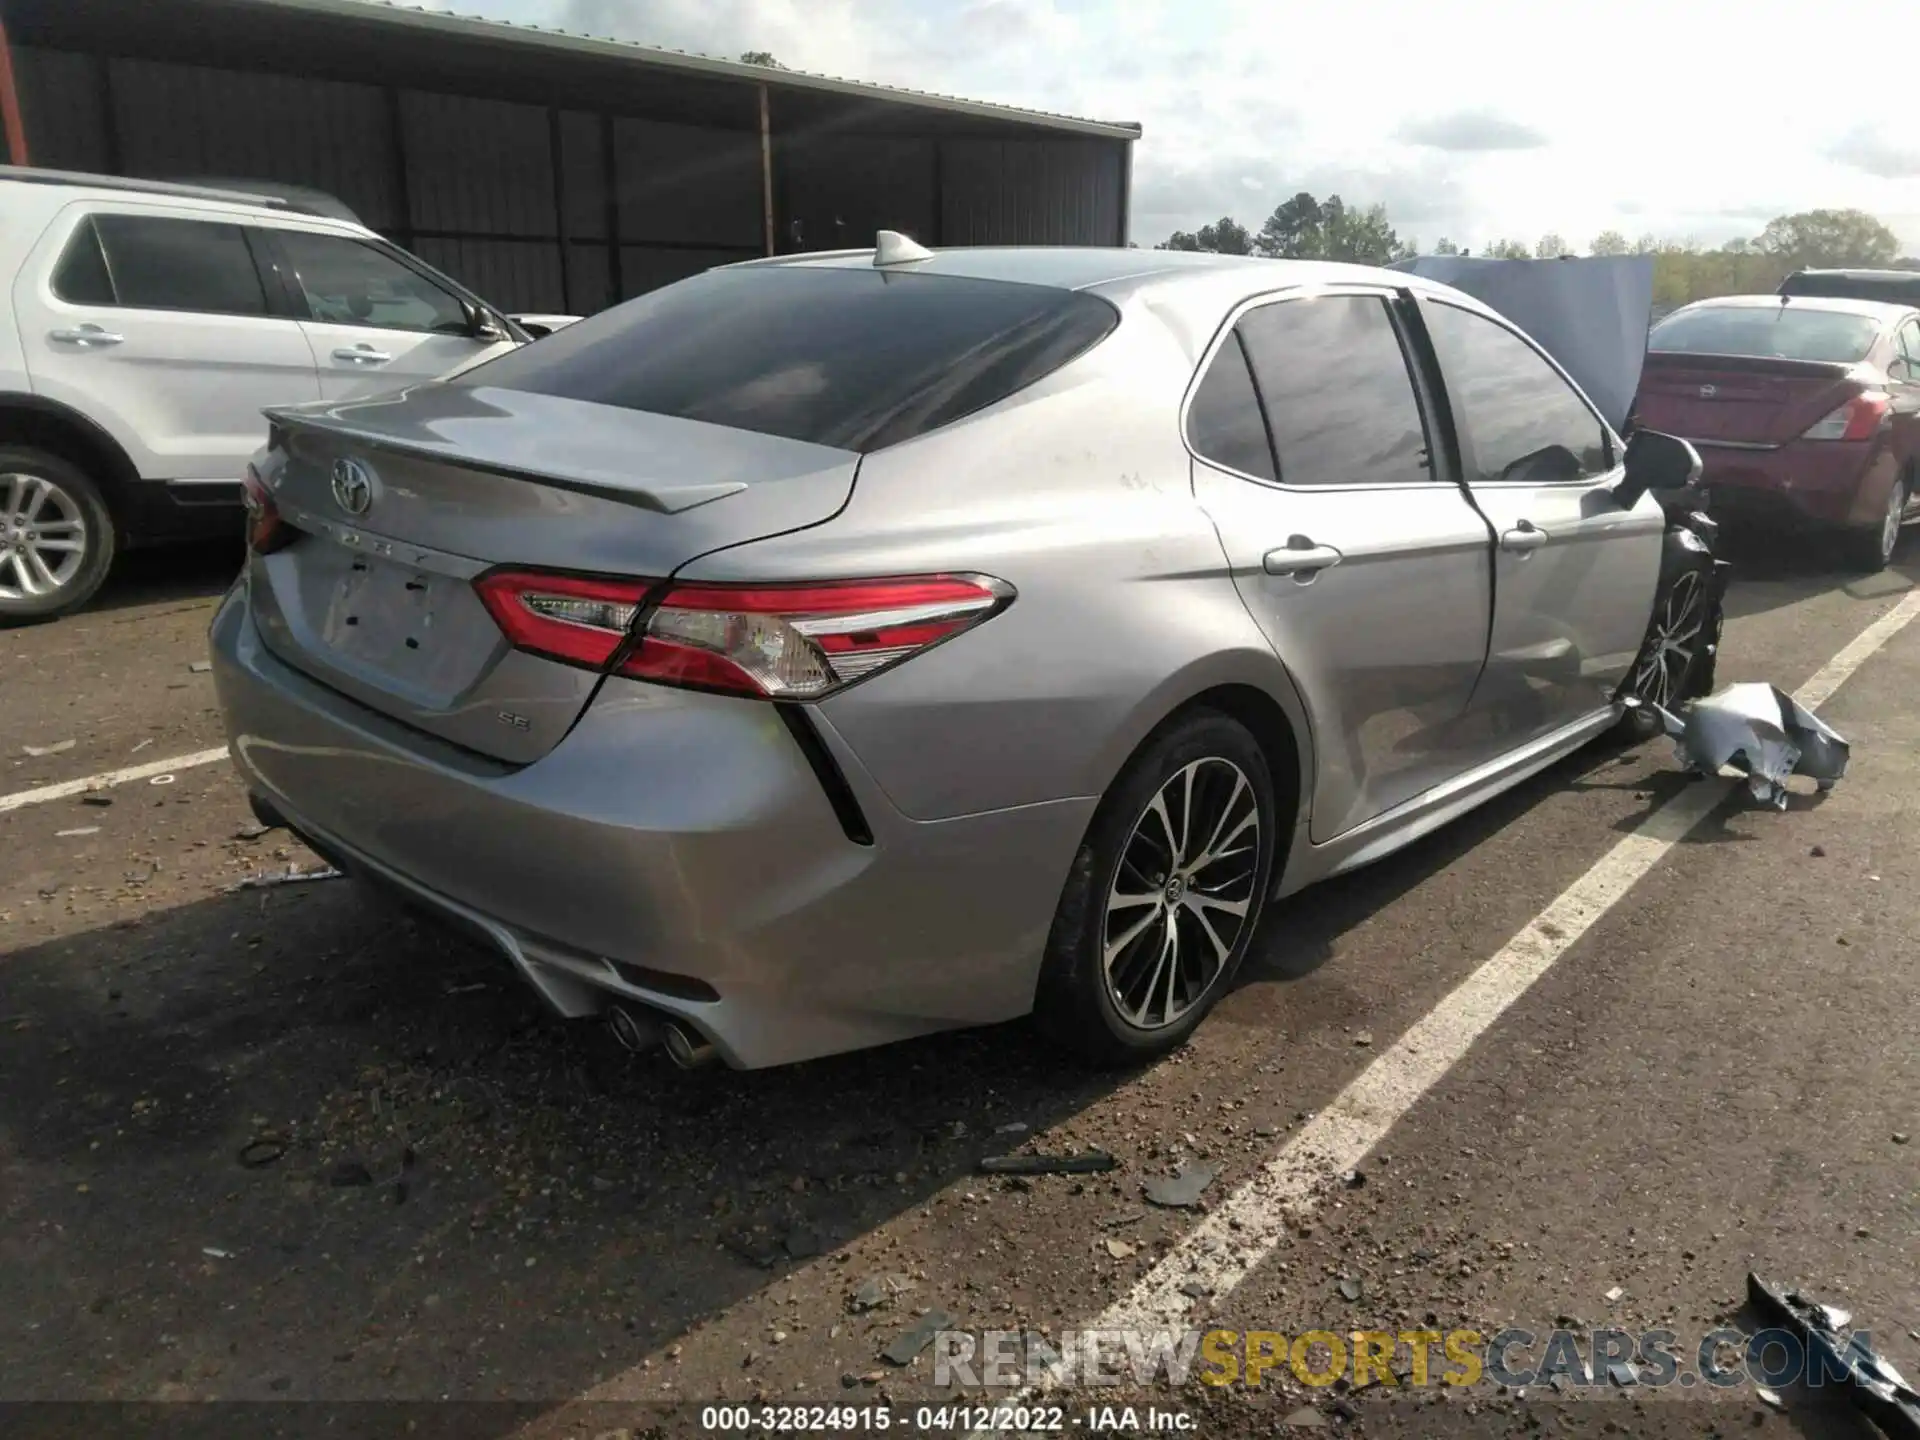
column 1473, row 120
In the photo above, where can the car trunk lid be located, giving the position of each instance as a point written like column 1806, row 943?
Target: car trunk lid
column 402, row 502
column 1759, row 400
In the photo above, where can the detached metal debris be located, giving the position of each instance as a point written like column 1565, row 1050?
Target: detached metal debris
column 1881, row 1392
column 289, row 876
column 1761, row 731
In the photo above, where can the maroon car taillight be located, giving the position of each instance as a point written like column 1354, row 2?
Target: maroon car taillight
column 266, row 530
column 773, row 642
column 1858, row 419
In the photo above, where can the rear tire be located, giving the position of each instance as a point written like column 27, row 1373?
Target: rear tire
column 57, row 538
column 1181, row 848
column 1869, row 548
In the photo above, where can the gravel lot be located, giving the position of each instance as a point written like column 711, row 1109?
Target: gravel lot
column 289, row 1144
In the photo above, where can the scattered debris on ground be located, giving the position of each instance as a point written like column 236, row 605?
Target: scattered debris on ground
column 878, row 1290
column 289, row 876
column 1881, row 1392
column 1092, row 1162
column 1761, row 731
column 1181, row 1190
column 910, row 1342
column 40, row 752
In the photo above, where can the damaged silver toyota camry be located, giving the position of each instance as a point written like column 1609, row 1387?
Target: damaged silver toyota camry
column 828, row 650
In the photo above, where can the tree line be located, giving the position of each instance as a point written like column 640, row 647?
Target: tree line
column 1306, row 228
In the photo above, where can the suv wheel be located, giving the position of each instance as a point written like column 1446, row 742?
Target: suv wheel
column 1870, row 548
column 56, row 536
column 1164, row 895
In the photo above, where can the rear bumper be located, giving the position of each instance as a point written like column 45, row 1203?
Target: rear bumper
column 677, row 850
column 1832, row 484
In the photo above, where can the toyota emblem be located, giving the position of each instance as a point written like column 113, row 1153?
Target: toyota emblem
column 352, row 486
column 1707, row 392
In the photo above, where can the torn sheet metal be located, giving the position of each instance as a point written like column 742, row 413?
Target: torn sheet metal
column 1882, row 1392
column 1762, row 732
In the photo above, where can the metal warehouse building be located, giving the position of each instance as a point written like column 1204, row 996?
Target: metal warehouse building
column 549, row 171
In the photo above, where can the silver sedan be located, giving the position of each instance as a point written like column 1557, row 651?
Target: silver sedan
column 830, row 650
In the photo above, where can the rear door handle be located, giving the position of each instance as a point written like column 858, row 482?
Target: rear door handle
column 361, row 355
column 1300, row 558
column 1523, row 539
column 86, row 337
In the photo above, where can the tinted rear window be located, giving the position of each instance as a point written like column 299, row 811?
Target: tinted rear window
column 1785, row 332
column 853, row 358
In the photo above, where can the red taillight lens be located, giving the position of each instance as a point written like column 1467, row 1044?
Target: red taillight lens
column 777, row 642
column 266, row 530
column 564, row 617
column 1858, row 419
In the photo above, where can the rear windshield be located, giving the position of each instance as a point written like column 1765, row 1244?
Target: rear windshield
column 853, row 358
column 1783, row 332
column 1895, row 289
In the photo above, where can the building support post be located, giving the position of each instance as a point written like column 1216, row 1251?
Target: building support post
column 766, row 165
column 10, row 120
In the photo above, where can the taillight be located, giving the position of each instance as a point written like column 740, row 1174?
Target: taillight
column 776, row 642
column 266, row 530
column 1858, row 419
column 564, row 617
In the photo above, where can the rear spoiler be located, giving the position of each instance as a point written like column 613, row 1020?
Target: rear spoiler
column 423, row 421
column 1758, row 364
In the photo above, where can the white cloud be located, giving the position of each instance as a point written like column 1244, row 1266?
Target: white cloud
column 1471, row 130
column 1479, row 120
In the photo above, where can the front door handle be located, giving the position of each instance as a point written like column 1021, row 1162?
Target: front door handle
column 86, row 337
column 1300, row 558
column 1523, row 539
column 362, row 355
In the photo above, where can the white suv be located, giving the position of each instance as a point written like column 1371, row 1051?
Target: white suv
column 143, row 328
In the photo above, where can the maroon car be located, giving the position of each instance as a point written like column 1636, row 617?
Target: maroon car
column 1806, row 412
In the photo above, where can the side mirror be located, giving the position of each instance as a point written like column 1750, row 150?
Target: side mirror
column 482, row 326
column 1656, row 461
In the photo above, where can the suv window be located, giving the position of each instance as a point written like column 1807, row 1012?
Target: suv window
column 855, row 358
column 348, row 282
column 1224, row 423
column 1338, row 398
column 81, row 277
column 152, row 262
column 1523, row 422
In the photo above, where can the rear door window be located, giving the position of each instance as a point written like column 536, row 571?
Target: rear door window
column 156, row 262
column 1908, row 352
column 81, row 276
column 858, row 359
column 1520, row 421
column 1333, row 379
column 1224, row 423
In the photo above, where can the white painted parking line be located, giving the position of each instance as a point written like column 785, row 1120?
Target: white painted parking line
column 112, row 777
column 1249, row 1223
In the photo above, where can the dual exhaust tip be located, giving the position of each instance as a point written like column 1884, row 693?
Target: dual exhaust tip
column 637, row 1031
